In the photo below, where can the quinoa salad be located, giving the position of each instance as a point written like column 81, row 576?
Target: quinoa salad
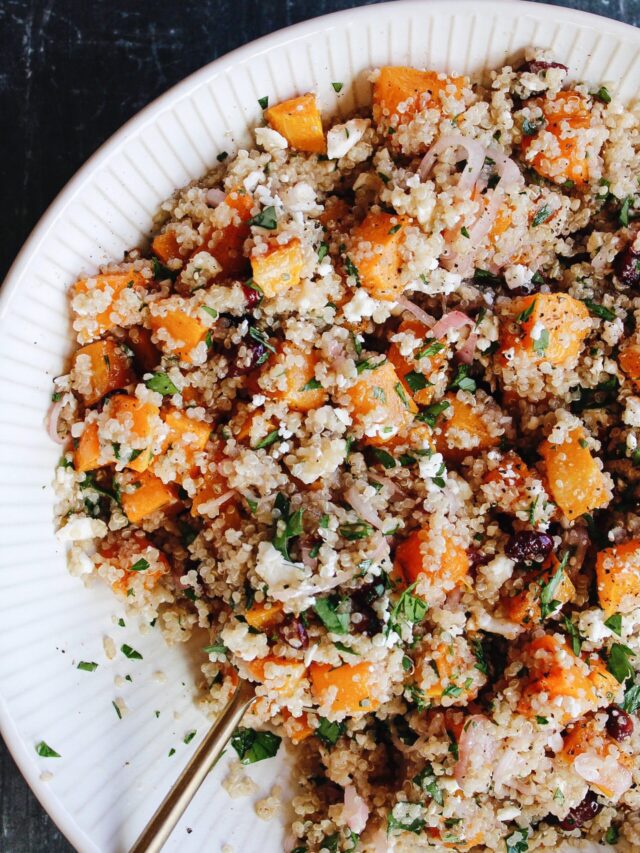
column 364, row 415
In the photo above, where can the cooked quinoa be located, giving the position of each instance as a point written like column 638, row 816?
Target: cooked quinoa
column 365, row 414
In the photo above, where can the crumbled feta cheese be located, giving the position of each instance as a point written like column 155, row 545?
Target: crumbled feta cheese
column 342, row 137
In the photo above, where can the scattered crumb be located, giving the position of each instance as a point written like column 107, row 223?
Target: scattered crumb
column 268, row 808
column 46, row 776
column 118, row 681
column 226, row 848
column 109, row 647
column 160, row 677
column 121, row 706
column 237, row 783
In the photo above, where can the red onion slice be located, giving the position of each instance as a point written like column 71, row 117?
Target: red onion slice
column 451, row 320
column 52, row 423
column 477, row 747
column 475, row 158
column 356, row 811
column 362, row 508
column 214, row 197
column 465, row 353
column 417, row 312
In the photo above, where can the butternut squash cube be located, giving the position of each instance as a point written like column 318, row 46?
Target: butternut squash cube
column 407, row 366
column 463, row 430
column 108, row 369
column 559, row 322
column 576, row 483
column 151, row 495
column 618, row 577
column 294, row 369
column 300, row 122
column 629, row 361
column 415, row 557
column 400, row 92
column 101, row 291
column 376, row 254
column 87, row 454
column 380, row 404
column 279, row 268
column 176, row 331
column 353, row 687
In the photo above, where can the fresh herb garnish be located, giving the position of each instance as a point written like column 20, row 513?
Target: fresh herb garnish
column 518, row 842
column 541, row 343
column 215, row 649
column 253, row 746
column 478, row 652
column 408, row 608
column 45, row 751
column 87, row 666
column 161, row 383
column 541, row 216
column 323, row 251
column 603, row 95
column 572, row 630
column 311, row 385
column 548, row 604
column 623, row 216
column 264, row 101
column 481, row 276
column 618, row 662
column 265, row 219
column 288, row 526
column 416, row 381
column 416, row 825
column 426, row 781
column 337, row 87
column 162, row 273
column 130, row 653
column 614, row 623
column 383, row 457
column 268, row 440
column 329, row 732
column 140, row 565
column 260, row 337
column 432, row 348
column 116, row 708
column 523, row 316
column 430, row 414
column 355, row 530
column 599, row 310
column 334, row 621
column 189, row 736
column 462, row 380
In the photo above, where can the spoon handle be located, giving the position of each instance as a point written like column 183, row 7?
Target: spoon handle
column 170, row 810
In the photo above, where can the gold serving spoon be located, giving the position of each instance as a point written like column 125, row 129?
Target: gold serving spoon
column 172, row 807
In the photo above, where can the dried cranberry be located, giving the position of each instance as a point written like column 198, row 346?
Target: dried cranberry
column 526, row 545
column 293, row 633
column 252, row 296
column 626, row 265
column 535, row 66
column 477, row 558
column 584, row 811
column 246, row 357
column 364, row 620
column 619, row 724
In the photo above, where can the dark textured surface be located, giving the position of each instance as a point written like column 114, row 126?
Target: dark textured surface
column 72, row 71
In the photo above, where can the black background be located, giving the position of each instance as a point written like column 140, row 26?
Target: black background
column 71, row 72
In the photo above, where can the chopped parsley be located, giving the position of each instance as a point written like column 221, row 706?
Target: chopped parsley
column 312, row 385
column 189, row 736
column 541, row 216
column 264, row 102
column 87, row 666
column 478, row 652
column 253, row 746
column 548, row 604
column 623, row 216
column 530, row 128
column 268, row 440
column 416, row 825
column 603, row 95
column 140, row 565
column 618, row 663
column 288, row 526
column 337, row 87
column 383, row 457
column 416, row 381
column 481, row 276
column 130, row 653
column 329, row 732
column 614, row 623
column 518, row 841
column 462, row 380
column 464, row 232
column 355, row 530
column 161, row 383
column 426, row 781
column 432, row 348
column 430, row 414
column 572, row 630
column 611, row 835
column 265, row 219
column 45, row 751
column 215, row 649
column 334, row 621
column 323, row 251
column 541, row 343
column 260, row 337
column 408, row 608
column 599, row 310
column 210, row 311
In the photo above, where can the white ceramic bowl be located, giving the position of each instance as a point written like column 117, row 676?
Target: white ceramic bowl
column 113, row 772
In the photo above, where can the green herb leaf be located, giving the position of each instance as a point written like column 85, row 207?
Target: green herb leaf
column 541, row 216
column 416, row 825
column 523, row 316
column 210, row 311
column 614, row 623
column 618, row 662
column 530, row 128
column 432, row 348
column 603, row 95
column 171, row 752
column 572, row 630
column 116, row 708
column 337, row 87
column 355, row 530
column 264, row 102
column 367, row 364
column 341, row 647
column 383, row 457
column 541, row 343
column 287, row 527
column 408, row 608
column 623, row 216
column 162, row 273
column 87, row 666
column 416, row 381
column 481, row 276
column 611, row 835
column 329, row 732
column 323, row 251
column 324, row 522
column 399, row 389
column 541, row 721
column 333, row 621
column 599, row 310
column 130, row 653
column 140, row 565
column 548, row 604
column 268, row 440
column 215, row 649
column 431, row 413
column 518, row 842
column 253, row 746
column 462, row 380
column 161, row 383
column 478, row 652
column 45, row 751
column 464, row 232
column 352, row 269
column 312, row 385
column 631, row 701
column 265, row 219
column 426, row 781
column 189, row 736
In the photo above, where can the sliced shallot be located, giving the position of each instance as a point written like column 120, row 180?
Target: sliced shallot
column 475, row 158
column 356, row 811
column 214, row 197
column 52, row 423
column 465, row 353
column 360, row 505
column 417, row 312
column 451, row 320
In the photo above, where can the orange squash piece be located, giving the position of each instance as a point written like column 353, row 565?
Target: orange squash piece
column 629, row 361
column 376, row 253
column 449, row 664
column 125, row 553
column 87, row 454
column 279, row 268
column 381, row 405
column 565, row 321
column 618, row 577
column 297, row 728
column 524, row 607
column 227, row 244
column 185, row 331
column 261, row 616
column 353, row 692
column 166, row 247
column 400, row 92
column 464, row 433
column 150, row 496
column 146, row 355
column 413, row 559
column 109, row 366
column 566, row 115
column 300, row 122
column 576, row 483
column 405, row 365
column 605, row 685
column 139, row 418
column 112, row 284
column 585, row 736
column 284, row 675
column 192, row 433
column 555, row 671
column 214, row 486
column 298, row 369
